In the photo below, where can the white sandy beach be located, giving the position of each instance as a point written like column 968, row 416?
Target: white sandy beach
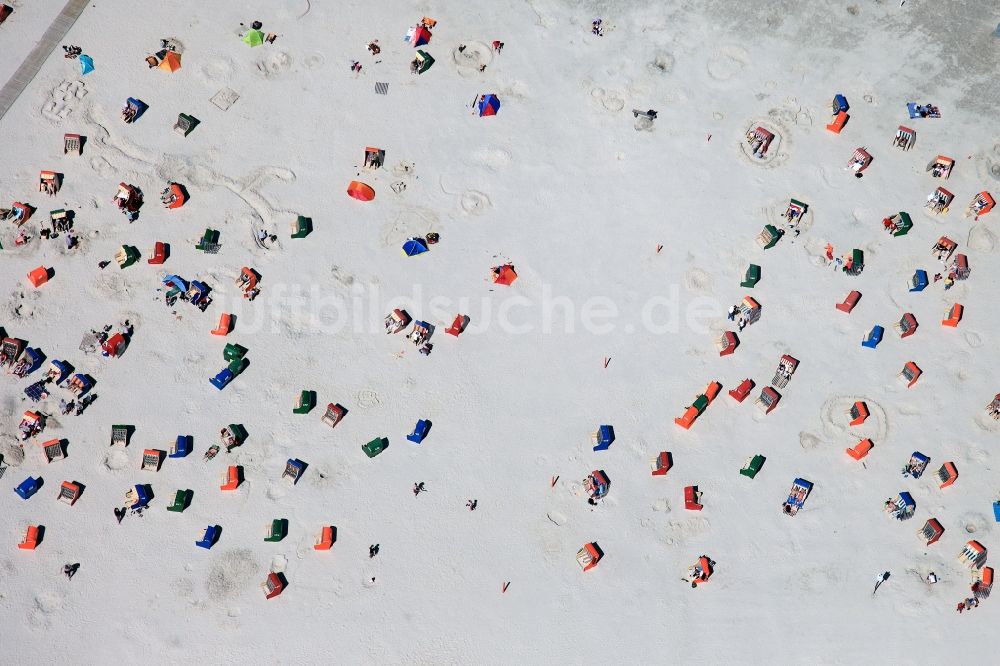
column 561, row 184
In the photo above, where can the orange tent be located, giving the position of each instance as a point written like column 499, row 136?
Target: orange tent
column 225, row 322
column 38, row 276
column 326, row 538
column 861, row 449
column 504, row 275
column 171, row 62
column 360, row 191
column 30, row 540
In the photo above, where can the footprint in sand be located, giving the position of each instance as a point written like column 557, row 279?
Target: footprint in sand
column 116, row 460
column 609, row 100
column 367, row 398
column 808, row 441
column 982, row 239
column 973, row 339
column 475, row 202
column 662, row 63
column 63, row 99
column 493, row 157
column 697, row 280
column 727, row 62
column 274, row 64
column 313, row 60
column 218, row 70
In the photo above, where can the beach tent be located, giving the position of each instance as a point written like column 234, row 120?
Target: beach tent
column 861, row 449
column 797, row 496
column 171, row 62
column 273, row 585
column 786, row 368
column 185, row 124
column 233, row 435
column 489, row 105
column 947, row 474
column 53, row 450
column 360, row 191
column 905, row 138
column 726, row 343
column 597, row 484
column 752, row 277
column 232, row 478
column 139, row 496
column 294, row 468
column 692, row 499
column 375, row 447
column 906, row 326
column 768, row 400
column 326, row 537
column 760, row 140
column 919, row 280
column 910, row 373
column 421, row 36
column 769, row 237
column 420, row 431
column 301, row 226
column 414, row 246
column 181, row 500
column 752, row 465
column 32, row 537
column 334, row 414
column 422, row 62
column 86, row 65
column 276, row 530
column 603, row 437
column 858, row 413
column 38, row 276
column 973, row 555
column 69, row 492
column 173, row 196
column 253, row 38
column 588, row 556
column 305, row 402
column 182, row 446
column 901, row 507
column 849, row 302
column 458, row 325
column 916, row 465
column 28, row 487
column 662, row 463
column 701, row 572
column 873, row 338
column 953, row 316
column 209, row 538
column 740, row 393
column 504, row 275
column 981, row 204
column 931, row 531
column 961, row 268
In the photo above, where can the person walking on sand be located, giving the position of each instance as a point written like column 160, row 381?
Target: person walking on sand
column 372, row 550
column 472, row 504
column 879, row 579
column 960, row 607
column 418, row 488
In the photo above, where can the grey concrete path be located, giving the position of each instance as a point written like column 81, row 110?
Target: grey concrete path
column 43, row 49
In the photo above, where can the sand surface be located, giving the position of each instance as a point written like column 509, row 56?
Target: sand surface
column 562, row 184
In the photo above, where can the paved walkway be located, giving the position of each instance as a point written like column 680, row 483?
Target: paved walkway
column 33, row 63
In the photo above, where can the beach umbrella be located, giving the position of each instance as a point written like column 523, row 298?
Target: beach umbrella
column 86, row 64
column 253, row 38
column 171, row 62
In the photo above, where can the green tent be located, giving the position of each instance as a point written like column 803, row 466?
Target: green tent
column 903, row 224
column 375, row 447
column 253, row 38
column 306, row 402
column 752, row 276
column 752, row 466
column 277, row 531
column 181, row 501
column 302, row 227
